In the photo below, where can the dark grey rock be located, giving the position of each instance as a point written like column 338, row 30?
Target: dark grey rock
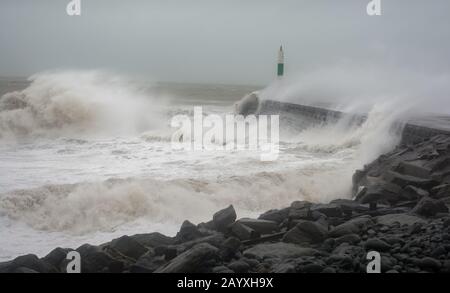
column 284, row 268
column 128, row 246
column 441, row 191
column 188, row 232
column 232, row 244
column 415, row 170
column 428, row 263
column 27, row 263
column 414, row 193
column 330, row 210
column 192, row 260
column 239, row 266
column 279, row 250
column 243, row 232
column 402, row 219
column 306, row 232
column 222, row 270
column 56, row 256
column 224, row 218
column 299, row 210
column 153, row 239
column 277, row 216
column 148, row 263
column 377, row 245
column 429, row 207
column 95, row 260
column 404, row 180
column 354, row 226
column 260, row 226
column 348, row 238
column 23, row 270
column 329, row 270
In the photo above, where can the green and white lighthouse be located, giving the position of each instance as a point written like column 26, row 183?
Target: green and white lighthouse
column 280, row 65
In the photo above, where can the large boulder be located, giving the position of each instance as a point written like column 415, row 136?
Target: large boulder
column 188, row 232
column 413, row 169
column 224, row 218
column 243, row 232
column 353, row 226
column 153, row 239
column 306, row 232
column 277, row 216
column 429, row 207
column 404, row 180
column 329, row 210
column 279, row 250
column 27, row 264
column 402, row 219
column 441, row 191
column 194, row 260
column 95, row 260
column 127, row 246
column 260, row 226
column 300, row 210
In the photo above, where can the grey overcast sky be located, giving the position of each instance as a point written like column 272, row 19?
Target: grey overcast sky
column 223, row 41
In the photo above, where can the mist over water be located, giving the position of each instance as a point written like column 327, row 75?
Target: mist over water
column 77, row 104
column 86, row 156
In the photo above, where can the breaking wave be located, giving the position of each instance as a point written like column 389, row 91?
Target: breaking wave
column 77, row 103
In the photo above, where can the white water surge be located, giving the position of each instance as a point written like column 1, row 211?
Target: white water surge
column 86, row 157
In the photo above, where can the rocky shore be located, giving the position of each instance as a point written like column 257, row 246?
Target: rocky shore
column 400, row 208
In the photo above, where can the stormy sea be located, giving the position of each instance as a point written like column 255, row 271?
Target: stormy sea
column 87, row 157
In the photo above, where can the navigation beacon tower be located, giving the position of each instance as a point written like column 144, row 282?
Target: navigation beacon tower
column 280, row 66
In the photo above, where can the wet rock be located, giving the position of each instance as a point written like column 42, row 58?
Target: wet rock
column 128, row 246
column 414, row 193
column 354, row 226
column 153, row 239
column 56, row 257
column 347, row 206
column 299, row 210
column 95, row 260
column 329, row 270
column 23, row 270
column 429, row 207
column 224, row 218
column 239, row 266
column 279, row 250
column 243, row 232
column 313, row 268
column 330, row 210
column 192, row 260
column 260, row 226
column 382, row 192
column 215, row 240
column 377, row 245
column 148, row 263
column 277, row 216
column 402, row 219
column 349, row 238
column 404, row 180
column 441, row 191
column 222, row 270
column 188, row 232
column 305, row 232
column 284, row 268
column 412, row 169
column 27, row 263
column 438, row 251
column 232, row 244
column 428, row 263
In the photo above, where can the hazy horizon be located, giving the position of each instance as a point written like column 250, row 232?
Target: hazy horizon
column 223, row 42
